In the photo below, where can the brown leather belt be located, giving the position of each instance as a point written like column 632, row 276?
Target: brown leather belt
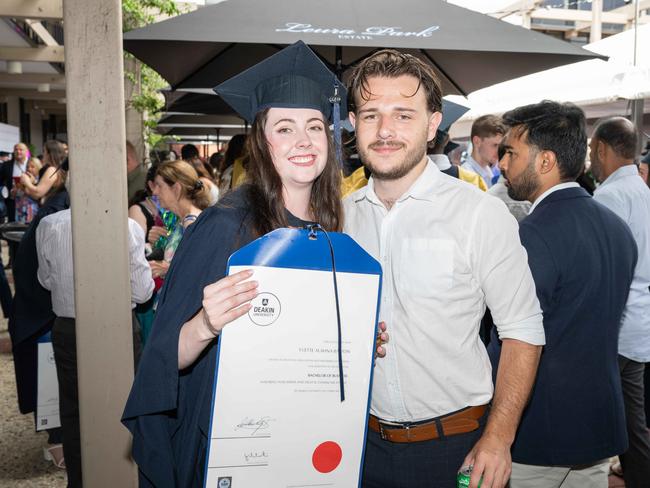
column 459, row 422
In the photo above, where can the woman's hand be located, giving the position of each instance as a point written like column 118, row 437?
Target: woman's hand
column 227, row 300
column 159, row 268
column 155, row 233
column 223, row 301
column 26, row 179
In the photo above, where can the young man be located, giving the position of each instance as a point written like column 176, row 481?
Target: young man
column 582, row 257
column 487, row 133
column 435, row 238
column 613, row 149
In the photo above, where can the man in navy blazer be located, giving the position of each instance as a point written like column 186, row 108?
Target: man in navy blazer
column 582, row 257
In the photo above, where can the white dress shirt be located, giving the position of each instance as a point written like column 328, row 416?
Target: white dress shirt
column 55, row 271
column 484, row 172
column 625, row 194
column 441, row 161
column 518, row 209
column 446, row 249
column 19, row 168
column 559, row 186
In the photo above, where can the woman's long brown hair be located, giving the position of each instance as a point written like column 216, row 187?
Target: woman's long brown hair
column 266, row 186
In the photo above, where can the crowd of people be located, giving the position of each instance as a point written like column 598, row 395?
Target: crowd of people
column 164, row 199
column 516, row 276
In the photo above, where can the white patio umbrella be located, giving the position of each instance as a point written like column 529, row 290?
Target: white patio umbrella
column 587, row 83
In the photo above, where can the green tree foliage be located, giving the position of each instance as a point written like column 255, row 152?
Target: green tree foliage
column 146, row 99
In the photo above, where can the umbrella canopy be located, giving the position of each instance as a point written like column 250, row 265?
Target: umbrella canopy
column 195, row 103
column 587, row 83
column 200, row 120
column 468, row 50
column 206, row 132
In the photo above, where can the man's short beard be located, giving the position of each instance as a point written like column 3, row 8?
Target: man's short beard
column 526, row 185
column 411, row 159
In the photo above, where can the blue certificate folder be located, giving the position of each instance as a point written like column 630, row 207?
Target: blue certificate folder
column 282, row 413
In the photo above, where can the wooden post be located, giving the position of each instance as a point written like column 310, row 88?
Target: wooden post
column 96, row 130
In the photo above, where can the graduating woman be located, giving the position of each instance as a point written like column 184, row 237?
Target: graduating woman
column 294, row 179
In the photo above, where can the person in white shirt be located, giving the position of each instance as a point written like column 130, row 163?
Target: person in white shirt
column 613, row 149
column 55, row 273
column 437, row 240
column 486, row 135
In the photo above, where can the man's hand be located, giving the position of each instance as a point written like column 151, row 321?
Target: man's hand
column 491, row 459
column 515, row 377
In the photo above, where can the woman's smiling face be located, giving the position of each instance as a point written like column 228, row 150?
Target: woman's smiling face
column 298, row 144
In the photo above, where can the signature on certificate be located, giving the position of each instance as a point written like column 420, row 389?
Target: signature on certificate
column 255, row 456
column 254, row 425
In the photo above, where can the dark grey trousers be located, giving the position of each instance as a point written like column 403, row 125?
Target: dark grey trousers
column 428, row 464
column 636, row 460
column 64, row 343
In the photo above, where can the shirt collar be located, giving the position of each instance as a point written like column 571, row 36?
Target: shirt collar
column 421, row 189
column 559, row 186
column 620, row 173
column 441, row 161
column 479, row 169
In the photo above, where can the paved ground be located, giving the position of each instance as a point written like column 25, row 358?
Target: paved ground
column 21, row 448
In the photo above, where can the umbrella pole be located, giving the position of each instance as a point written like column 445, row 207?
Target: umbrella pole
column 338, row 62
column 637, row 105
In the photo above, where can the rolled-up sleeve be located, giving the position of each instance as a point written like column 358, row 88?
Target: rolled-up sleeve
column 142, row 284
column 504, row 274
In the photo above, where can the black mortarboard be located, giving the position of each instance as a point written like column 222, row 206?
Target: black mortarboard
column 292, row 78
column 451, row 112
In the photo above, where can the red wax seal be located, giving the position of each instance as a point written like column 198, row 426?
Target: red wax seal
column 327, row 457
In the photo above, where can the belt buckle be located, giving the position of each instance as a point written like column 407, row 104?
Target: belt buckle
column 382, row 432
column 384, row 437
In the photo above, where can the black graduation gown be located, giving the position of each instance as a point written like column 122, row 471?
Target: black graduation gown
column 32, row 314
column 168, row 411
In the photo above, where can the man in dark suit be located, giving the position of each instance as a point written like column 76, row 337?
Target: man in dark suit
column 582, row 257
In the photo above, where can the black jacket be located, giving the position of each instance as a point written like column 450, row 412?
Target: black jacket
column 32, row 306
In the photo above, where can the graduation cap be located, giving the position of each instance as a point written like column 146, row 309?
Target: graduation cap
column 292, row 78
column 451, row 112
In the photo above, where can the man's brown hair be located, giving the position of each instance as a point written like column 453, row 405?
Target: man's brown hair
column 389, row 63
column 488, row 126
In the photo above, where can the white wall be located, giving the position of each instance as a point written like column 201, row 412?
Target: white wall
column 9, row 136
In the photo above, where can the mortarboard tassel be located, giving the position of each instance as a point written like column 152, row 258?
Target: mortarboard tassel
column 336, row 119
